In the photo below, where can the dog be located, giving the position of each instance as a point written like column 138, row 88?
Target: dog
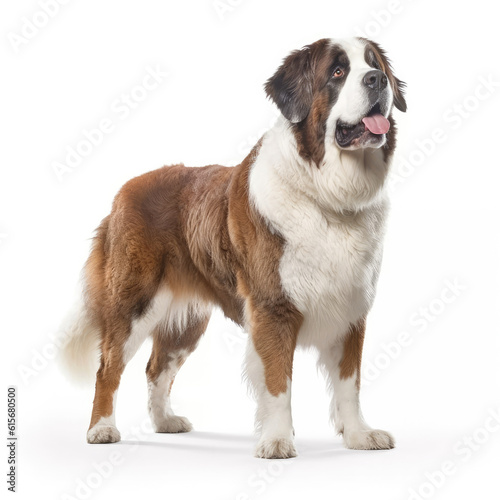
column 288, row 244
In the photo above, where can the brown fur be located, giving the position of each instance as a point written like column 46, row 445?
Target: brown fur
column 300, row 89
column 193, row 230
column 107, row 382
column 167, row 346
column 350, row 363
column 310, row 134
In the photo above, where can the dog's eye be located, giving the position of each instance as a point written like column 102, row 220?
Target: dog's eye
column 338, row 73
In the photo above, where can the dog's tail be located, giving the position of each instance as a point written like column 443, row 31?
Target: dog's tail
column 81, row 333
column 80, row 341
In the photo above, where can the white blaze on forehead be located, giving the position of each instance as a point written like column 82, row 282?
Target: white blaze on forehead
column 355, row 50
column 354, row 47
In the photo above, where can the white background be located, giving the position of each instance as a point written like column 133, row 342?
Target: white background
column 211, row 108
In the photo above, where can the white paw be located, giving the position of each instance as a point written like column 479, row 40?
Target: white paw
column 172, row 424
column 275, row 448
column 103, row 434
column 368, row 439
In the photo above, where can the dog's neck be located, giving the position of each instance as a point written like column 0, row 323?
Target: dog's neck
column 345, row 182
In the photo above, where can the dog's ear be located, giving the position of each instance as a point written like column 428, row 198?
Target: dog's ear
column 398, row 87
column 291, row 87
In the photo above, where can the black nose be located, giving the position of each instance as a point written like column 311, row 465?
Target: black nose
column 375, row 79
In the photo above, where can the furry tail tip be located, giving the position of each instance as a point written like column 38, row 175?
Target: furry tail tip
column 80, row 352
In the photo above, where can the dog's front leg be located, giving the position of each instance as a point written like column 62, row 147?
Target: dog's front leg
column 342, row 365
column 269, row 362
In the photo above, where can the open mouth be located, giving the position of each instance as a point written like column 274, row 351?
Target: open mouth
column 368, row 131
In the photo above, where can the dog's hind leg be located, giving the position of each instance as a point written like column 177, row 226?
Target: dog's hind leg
column 102, row 427
column 126, row 337
column 122, row 339
column 172, row 344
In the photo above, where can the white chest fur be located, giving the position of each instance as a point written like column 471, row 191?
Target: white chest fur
column 331, row 260
column 330, row 268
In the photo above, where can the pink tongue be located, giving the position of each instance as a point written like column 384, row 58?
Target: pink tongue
column 377, row 124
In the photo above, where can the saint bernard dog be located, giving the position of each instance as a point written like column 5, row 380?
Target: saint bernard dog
column 288, row 244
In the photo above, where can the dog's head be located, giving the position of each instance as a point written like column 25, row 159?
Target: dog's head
column 337, row 93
